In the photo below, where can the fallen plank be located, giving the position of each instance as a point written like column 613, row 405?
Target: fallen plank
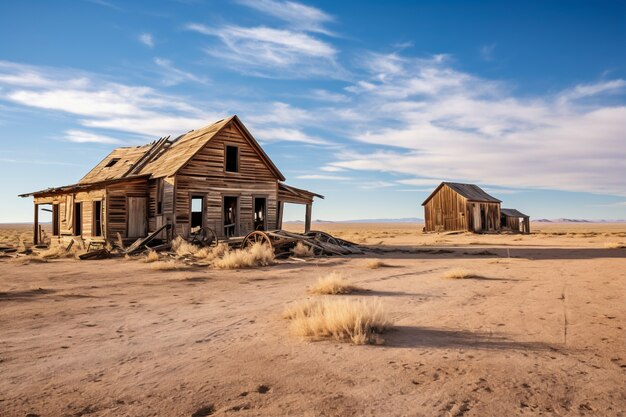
column 140, row 243
column 96, row 254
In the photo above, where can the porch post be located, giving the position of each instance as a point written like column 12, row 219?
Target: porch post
column 307, row 220
column 279, row 215
column 36, row 226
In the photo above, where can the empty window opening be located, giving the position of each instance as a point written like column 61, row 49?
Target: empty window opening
column 78, row 219
column 230, row 216
column 232, row 158
column 112, row 162
column 260, row 213
column 97, row 218
column 56, row 221
column 197, row 211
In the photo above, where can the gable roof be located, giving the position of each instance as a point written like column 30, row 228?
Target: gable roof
column 164, row 157
column 512, row 213
column 471, row 192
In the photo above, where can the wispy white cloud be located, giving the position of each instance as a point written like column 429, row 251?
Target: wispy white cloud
column 373, row 185
column 330, row 168
column 104, row 3
column 80, row 136
column 322, row 177
column 147, row 39
column 269, row 134
column 426, row 118
column 264, row 51
column 325, row 95
column 487, row 52
column 174, row 76
column 138, row 110
column 588, row 90
column 296, row 15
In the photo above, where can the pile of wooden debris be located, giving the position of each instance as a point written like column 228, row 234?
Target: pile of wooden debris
column 282, row 242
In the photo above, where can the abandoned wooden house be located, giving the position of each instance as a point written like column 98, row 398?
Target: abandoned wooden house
column 467, row 207
column 454, row 206
column 215, row 177
column 514, row 221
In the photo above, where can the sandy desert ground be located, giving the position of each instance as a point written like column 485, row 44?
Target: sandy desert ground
column 538, row 331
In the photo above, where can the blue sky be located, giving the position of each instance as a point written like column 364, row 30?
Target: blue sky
column 371, row 105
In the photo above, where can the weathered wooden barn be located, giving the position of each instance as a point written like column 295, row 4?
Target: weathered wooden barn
column 215, row 177
column 514, row 220
column 454, row 206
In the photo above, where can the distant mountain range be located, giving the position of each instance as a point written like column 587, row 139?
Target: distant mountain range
column 400, row 220
column 418, row 220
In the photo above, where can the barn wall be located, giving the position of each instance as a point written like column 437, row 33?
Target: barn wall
column 491, row 216
column 445, row 211
column 204, row 174
column 116, row 204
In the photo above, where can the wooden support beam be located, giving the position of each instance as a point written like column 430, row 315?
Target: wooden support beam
column 307, row 220
column 36, row 226
column 279, row 215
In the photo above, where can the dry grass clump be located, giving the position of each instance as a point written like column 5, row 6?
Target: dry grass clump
column 183, row 248
column 164, row 266
column 212, row 253
column 459, row 273
column 615, row 245
column 356, row 321
column 56, row 252
column 376, row 263
column 303, row 251
column 28, row 259
column 333, row 283
column 255, row 255
column 152, row 256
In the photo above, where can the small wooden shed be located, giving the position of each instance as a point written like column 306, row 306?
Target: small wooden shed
column 455, row 207
column 514, row 220
column 215, row 177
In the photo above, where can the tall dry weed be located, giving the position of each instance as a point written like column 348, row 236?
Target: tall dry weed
column 252, row 256
column 212, row 253
column 301, row 250
column 356, row 321
column 333, row 283
column 459, row 273
column 183, row 248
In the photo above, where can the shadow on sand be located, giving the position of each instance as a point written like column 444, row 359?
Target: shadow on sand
column 425, row 337
column 536, row 253
column 24, row 295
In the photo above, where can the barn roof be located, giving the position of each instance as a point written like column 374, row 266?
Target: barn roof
column 512, row 213
column 471, row 192
column 164, row 157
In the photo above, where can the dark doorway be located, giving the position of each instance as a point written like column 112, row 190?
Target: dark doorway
column 56, row 225
column 231, row 215
column 260, row 213
column 78, row 219
column 97, row 218
column 197, row 212
column 483, row 218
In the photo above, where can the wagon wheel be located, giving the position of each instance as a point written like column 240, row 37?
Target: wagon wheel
column 209, row 237
column 257, row 237
column 323, row 236
column 204, row 236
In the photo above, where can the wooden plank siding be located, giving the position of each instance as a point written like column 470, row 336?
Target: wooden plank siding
column 117, row 205
column 447, row 210
column 66, row 213
column 205, row 175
